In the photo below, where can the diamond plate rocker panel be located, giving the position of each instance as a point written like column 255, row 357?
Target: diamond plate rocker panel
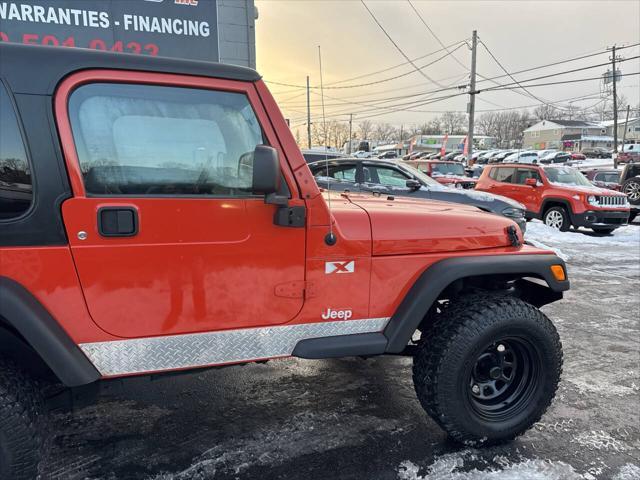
column 140, row 355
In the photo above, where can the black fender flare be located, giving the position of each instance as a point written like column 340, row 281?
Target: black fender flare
column 556, row 200
column 432, row 282
column 42, row 332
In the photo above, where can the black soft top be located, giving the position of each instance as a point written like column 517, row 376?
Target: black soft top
column 35, row 69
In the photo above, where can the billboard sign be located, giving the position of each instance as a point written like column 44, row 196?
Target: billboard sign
column 170, row 28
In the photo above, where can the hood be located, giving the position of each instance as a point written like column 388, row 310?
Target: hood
column 587, row 190
column 448, row 178
column 486, row 198
column 402, row 226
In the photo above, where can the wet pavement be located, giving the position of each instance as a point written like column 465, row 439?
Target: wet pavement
column 360, row 419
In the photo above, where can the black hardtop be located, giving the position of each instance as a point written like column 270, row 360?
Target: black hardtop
column 37, row 70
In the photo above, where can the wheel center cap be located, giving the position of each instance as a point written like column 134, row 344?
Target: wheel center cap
column 495, row 373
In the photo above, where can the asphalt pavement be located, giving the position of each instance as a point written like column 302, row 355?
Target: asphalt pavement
column 360, row 419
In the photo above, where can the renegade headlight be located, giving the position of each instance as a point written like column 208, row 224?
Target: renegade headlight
column 593, row 200
column 513, row 212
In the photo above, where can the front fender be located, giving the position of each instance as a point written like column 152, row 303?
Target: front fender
column 432, row 282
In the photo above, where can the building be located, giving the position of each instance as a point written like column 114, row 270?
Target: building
column 630, row 132
column 570, row 135
column 433, row 143
column 210, row 30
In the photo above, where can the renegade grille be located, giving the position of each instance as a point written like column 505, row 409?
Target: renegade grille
column 611, row 201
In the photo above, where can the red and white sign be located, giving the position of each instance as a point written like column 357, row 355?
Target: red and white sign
column 340, row 267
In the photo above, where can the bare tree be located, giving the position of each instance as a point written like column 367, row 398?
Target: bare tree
column 453, row 123
column 365, row 128
column 383, row 132
column 547, row 112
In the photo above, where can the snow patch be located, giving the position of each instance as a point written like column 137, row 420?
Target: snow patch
column 448, row 467
column 628, row 472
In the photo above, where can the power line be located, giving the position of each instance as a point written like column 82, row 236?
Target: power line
column 508, row 86
column 406, row 57
column 510, row 76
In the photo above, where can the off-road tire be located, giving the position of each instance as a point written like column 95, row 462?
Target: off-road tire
column 445, row 361
column 631, row 188
column 632, row 216
column 21, row 425
column 554, row 212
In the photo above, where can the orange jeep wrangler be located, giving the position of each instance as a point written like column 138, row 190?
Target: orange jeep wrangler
column 156, row 216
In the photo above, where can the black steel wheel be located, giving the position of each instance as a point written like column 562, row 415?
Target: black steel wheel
column 503, row 378
column 487, row 367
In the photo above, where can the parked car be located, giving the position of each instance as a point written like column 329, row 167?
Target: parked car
column 451, row 155
column 165, row 234
column 543, row 153
column 451, row 174
column 630, row 153
column 389, row 154
column 595, row 152
column 555, row 157
column 604, row 177
column 577, row 156
column 313, row 154
column 362, row 154
column 522, row 157
column 400, row 178
column 560, row 196
column 499, row 157
column 630, row 184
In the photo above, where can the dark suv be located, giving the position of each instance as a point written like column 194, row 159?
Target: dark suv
column 596, row 152
column 403, row 180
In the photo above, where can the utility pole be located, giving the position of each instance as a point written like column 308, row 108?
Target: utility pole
column 350, row 129
column 626, row 125
column 308, row 114
column 615, row 108
column 472, row 95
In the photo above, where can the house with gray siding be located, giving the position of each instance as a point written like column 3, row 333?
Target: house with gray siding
column 569, row 135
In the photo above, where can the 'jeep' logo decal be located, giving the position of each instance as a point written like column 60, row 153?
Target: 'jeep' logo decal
column 340, row 267
column 337, row 314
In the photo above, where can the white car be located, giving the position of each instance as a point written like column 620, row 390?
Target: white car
column 543, row 153
column 362, row 154
column 522, row 157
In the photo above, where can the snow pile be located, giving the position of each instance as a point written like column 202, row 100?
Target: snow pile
column 447, row 468
column 546, row 237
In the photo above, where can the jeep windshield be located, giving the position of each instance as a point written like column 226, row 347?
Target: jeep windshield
column 447, row 169
column 567, row 176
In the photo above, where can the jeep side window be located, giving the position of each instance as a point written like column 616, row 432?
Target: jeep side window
column 503, row 174
column 524, row 173
column 16, row 189
column 157, row 140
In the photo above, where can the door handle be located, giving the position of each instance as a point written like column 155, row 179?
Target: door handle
column 118, row 221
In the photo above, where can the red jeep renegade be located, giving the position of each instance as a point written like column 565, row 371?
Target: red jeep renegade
column 157, row 215
column 560, row 196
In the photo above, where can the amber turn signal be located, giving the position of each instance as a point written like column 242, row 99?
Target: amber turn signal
column 558, row 273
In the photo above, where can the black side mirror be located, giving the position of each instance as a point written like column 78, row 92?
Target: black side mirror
column 413, row 184
column 266, row 170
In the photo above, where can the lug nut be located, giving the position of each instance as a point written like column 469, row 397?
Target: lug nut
column 475, row 389
column 501, row 348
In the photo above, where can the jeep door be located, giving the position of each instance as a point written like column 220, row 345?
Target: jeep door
column 528, row 195
column 165, row 232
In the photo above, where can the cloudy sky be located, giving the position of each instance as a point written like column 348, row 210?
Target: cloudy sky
column 520, row 34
